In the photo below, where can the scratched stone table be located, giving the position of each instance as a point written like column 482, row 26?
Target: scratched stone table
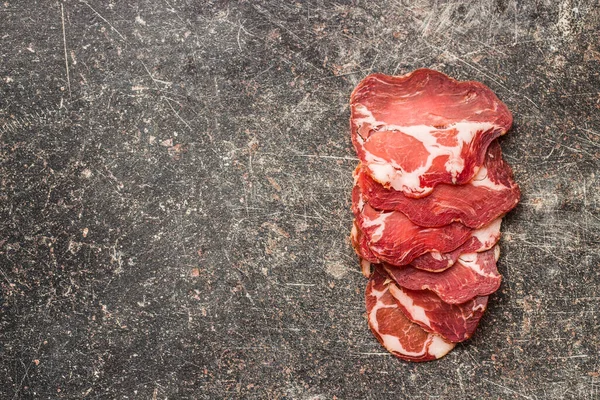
column 174, row 198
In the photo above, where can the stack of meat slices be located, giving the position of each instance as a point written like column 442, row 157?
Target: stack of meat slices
column 428, row 200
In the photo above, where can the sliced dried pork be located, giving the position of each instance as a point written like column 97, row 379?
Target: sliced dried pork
column 393, row 238
column 489, row 195
column 475, row 274
column 454, row 322
column 481, row 239
column 416, row 131
column 394, row 331
column 430, row 192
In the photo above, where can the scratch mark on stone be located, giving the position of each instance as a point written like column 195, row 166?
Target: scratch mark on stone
column 315, row 156
column 270, row 18
column 177, row 114
column 516, row 39
column 156, row 81
column 238, row 38
column 460, row 381
column 241, row 28
column 508, row 389
column 6, row 278
column 26, row 374
column 105, row 20
column 486, row 74
column 301, row 284
column 62, row 16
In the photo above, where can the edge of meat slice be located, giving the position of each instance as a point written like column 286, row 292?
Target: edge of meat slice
column 394, row 331
column 361, row 247
column 454, row 322
column 489, row 195
column 424, row 128
column 393, row 238
column 475, row 274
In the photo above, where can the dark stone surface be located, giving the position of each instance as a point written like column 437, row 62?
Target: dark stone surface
column 174, row 210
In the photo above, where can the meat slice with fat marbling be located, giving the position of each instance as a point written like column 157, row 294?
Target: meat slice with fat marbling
column 394, row 331
column 393, row 238
column 474, row 274
column 415, row 131
column 489, row 195
column 429, row 195
column 479, row 240
column 454, row 322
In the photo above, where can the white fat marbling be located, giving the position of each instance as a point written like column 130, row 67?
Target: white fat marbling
column 387, row 173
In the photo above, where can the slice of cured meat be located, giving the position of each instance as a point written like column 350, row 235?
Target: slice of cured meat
column 480, row 240
column 394, row 331
column 393, row 238
column 415, row 131
column 474, row 274
column 489, row 195
column 454, row 322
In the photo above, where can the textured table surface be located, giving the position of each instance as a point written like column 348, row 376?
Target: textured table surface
column 175, row 180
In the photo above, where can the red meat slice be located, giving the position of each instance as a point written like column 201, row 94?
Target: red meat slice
column 474, row 274
column 415, row 131
column 394, row 331
column 481, row 239
column 393, row 238
column 489, row 195
column 454, row 322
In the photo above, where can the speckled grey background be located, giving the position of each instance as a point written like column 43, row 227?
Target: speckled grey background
column 174, row 207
